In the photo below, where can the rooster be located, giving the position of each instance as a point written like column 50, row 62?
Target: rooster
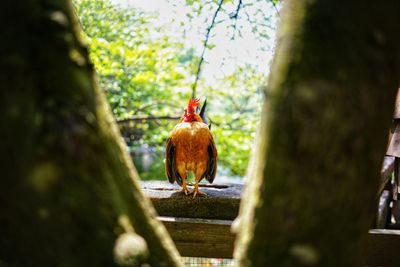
column 191, row 147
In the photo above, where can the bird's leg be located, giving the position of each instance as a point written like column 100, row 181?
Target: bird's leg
column 184, row 187
column 196, row 185
column 196, row 190
column 182, row 173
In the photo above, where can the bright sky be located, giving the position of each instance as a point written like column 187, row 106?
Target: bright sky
column 227, row 53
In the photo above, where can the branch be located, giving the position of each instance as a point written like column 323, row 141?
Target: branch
column 194, row 86
column 237, row 9
column 235, row 17
column 147, row 118
column 156, row 103
column 254, row 21
column 275, row 7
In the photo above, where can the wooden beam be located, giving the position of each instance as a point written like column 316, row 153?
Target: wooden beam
column 147, row 118
column 222, row 201
column 200, row 237
column 214, row 239
column 200, row 227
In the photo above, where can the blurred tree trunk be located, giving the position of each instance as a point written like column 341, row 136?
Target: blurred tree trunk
column 313, row 180
column 68, row 189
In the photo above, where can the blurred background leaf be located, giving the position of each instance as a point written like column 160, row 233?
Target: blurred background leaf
column 146, row 65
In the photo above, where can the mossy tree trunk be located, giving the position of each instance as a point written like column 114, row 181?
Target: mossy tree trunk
column 68, row 189
column 314, row 175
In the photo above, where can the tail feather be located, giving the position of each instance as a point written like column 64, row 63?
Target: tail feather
column 202, row 113
column 203, row 110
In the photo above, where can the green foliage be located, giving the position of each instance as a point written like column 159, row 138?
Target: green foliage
column 236, row 113
column 147, row 72
column 143, row 71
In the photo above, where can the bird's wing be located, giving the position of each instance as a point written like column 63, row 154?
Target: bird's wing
column 211, row 170
column 170, row 166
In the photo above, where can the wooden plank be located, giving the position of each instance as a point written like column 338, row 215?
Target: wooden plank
column 388, row 167
column 201, row 237
column 383, row 214
column 396, row 114
column 213, row 239
column 382, row 248
column 222, row 200
column 394, row 143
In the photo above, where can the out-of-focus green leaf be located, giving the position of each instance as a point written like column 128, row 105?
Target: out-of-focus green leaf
column 145, row 71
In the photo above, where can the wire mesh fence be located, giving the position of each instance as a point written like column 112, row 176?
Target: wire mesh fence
column 206, row 262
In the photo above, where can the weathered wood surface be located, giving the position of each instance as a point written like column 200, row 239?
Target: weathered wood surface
column 222, row 200
column 200, row 237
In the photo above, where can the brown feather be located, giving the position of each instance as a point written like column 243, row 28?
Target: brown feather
column 170, row 165
column 211, row 170
column 191, row 147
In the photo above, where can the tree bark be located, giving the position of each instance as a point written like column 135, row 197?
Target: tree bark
column 314, row 175
column 68, row 189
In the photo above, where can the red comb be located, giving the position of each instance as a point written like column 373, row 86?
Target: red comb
column 194, row 102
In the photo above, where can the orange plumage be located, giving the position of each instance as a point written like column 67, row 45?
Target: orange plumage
column 191, row 147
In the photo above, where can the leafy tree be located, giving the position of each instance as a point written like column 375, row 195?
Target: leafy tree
column 235, row 116
column 142, row 69
column 148, row 71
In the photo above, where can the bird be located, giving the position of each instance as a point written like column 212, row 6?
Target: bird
column 191, row 148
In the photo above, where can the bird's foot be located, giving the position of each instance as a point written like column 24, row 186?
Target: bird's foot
column 185, row 191
column 196, row 192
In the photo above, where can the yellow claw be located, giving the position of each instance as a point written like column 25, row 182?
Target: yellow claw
column 184, row 190
column 197, row 192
